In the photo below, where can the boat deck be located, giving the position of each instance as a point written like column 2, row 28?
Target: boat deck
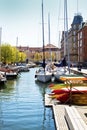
column 59, row 112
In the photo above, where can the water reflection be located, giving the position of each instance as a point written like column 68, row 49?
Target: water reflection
column 22, row 105
column 47, row 112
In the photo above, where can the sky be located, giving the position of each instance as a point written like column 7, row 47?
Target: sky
column 23, row 19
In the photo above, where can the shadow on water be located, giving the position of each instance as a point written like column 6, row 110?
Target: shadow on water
column 8, row 86
column 2, row 86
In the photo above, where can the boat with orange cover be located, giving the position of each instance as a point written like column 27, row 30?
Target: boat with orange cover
column 64, row 78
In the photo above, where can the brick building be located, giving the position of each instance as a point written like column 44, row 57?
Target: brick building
column 49, row 50
column 77, row 41
column 82, row 43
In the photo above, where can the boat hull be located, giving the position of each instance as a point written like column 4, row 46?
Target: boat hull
column 11, row 75
column 43, row 77
column 76, row 95
column 2, row 78
column 2, row 81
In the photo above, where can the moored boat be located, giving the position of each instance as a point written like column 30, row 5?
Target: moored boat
column 73, row 78
column 76, row 95
column 2, row 78
column 59, row 72
column 43, row 76
column 10, row 74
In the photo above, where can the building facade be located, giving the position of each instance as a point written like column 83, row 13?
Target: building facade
column 77, row 41
column 82, row 43
column 51, row 52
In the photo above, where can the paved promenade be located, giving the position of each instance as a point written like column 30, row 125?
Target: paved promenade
column 59, row 113
column 83, row 71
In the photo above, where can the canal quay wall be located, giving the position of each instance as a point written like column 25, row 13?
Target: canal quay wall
column 68, row 117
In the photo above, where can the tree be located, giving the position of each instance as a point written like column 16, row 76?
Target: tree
column 22, row 57
column 37, row 57
column 6, row 53
column 11, row 54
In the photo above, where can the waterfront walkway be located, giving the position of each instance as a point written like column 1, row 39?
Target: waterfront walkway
column 60, row 116
column 75, row 70
column 67, row 117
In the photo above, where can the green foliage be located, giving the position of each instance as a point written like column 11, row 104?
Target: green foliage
column 22, row 56
column 37, row 57
column 11, row 54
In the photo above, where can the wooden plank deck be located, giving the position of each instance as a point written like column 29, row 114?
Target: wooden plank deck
column 59, row 112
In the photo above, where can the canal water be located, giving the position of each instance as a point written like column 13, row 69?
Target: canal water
column 22, row 104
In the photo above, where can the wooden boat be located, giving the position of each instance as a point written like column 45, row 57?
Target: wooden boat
column 75, row 90
column 73, row 78
column 57, row 86
column 76, row 95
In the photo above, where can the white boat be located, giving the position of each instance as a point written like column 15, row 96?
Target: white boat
column 24, row 68
column 59, row 72
column 10, row 74
column 43, row 75
column 2, row 78
column 67, row 75
column 63, row 71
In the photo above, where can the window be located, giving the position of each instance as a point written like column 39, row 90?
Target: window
column 74, row 27
column 80, row 43
column 80, row 35
column 74, row 39
column 74, row 32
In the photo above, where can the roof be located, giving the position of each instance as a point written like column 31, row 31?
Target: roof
column 78, row 19
column 25, row 48
column 50, row 46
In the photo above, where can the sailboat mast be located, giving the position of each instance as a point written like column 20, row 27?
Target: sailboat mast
column 64, row 28
column 49, row 26
column 66, row 33
column 16, row 51
column 43, row 36
column 49, row 41
column 0, row 42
